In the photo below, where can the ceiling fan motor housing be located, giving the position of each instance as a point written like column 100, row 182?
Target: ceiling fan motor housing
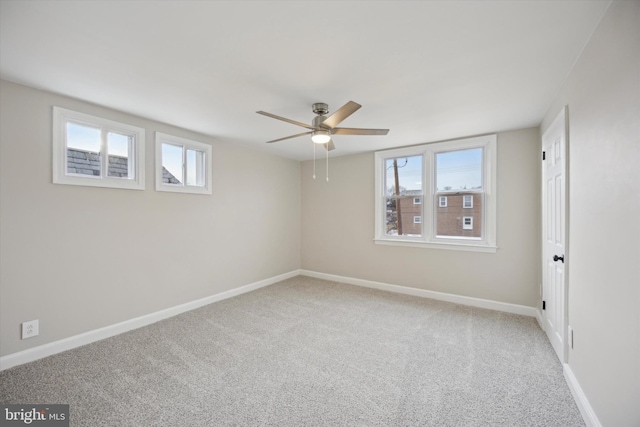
column 317, row 121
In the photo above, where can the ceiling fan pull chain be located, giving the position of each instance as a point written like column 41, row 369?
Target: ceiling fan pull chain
column 314, row 161
column 327, row 162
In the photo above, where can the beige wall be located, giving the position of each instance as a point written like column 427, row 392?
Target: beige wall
column 338, row 229
column 603, row 260
column 81, row 258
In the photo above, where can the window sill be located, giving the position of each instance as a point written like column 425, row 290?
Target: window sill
column 433, row 245
column 89, row 181
column 189, row 189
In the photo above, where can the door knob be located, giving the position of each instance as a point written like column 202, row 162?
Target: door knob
column 558, row 258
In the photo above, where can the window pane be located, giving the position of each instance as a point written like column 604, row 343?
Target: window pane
column 400, row 216
column 403, row 186
column 459, row 170
column 456, row 221
column 118, row 148
column 172, row 164
column 83, row 150
column 408, row 171
column 459, row 179
column 195, row 168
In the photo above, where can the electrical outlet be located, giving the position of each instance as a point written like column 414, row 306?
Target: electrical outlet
column 30, row 329
column 570, row 336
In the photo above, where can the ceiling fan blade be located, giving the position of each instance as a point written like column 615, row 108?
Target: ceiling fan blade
column 356, row 131
column 293, row 122
column 289, row 137
column 329, row 145
column 340, row 114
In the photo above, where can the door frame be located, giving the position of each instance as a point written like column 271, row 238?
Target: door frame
column 562, row 119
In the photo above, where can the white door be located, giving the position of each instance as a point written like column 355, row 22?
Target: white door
column 554, row 292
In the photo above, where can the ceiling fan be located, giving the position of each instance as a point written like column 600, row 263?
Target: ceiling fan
column 322, row 127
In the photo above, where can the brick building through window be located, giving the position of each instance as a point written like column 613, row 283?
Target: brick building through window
column 461, row 216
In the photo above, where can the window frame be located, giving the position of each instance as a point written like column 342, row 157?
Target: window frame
column 440, row 200
column 62, row 116
column 464, row 201
column 430, row 202
column 417, row 219
column 187, row 144
column 418, row 202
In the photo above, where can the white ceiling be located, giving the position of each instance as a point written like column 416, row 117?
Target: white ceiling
column 427, row 70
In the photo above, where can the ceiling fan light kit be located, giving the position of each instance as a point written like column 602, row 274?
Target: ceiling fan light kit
column 320, row 136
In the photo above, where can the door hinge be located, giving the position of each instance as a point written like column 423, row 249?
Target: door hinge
column 544, row 155
column 544, row 305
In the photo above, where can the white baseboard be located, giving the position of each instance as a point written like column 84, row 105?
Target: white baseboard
column 65, row 344
column 588, row 414
column 442, row 296
column 540, row 319
column 69, row 343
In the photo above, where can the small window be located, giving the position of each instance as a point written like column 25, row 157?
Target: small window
column 97, row 152
column 467, row 223
column 467, row 202
column 417, row 220
column 443, row 201
column 182, row 165
column 417, row 201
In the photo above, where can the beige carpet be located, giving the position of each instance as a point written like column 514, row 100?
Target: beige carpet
column 307, row 352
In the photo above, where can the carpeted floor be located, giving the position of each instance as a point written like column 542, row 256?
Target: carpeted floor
column 307, row 352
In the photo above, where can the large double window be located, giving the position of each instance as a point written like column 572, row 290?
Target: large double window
column 455, row 183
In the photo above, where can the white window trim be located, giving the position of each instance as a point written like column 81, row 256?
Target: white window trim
column 60, row 176
column 429, row 240
column 187, row 143
column 440, row 200
column 417, row 219
column 464, row 198
column 419, row 200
